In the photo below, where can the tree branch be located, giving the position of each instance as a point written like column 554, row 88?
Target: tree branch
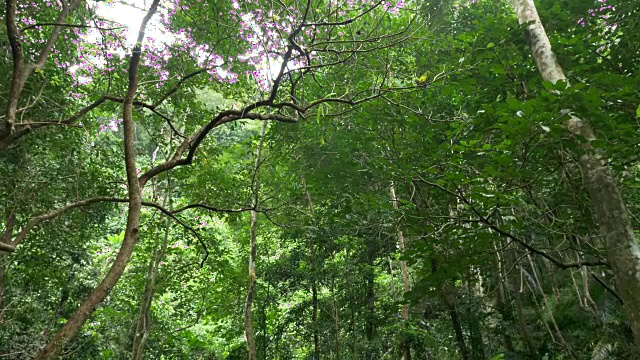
column 486, row 222
column 27, row 127
column 33, row 26
column 21, row 72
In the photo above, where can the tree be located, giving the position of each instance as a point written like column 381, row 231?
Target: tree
column 608, row 206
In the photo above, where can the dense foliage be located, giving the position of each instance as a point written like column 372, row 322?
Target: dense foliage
column 414, row 193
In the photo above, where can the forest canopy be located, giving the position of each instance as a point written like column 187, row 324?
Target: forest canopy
column 319, row 179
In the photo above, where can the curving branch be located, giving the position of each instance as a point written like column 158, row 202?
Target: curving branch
column 484, row 220
column 21, row 72
column 9, row 245
column 347, row 21
column 27, row 127
column 33, row 26
column 214, row 209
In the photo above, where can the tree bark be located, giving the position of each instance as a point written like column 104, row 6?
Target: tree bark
column 53, row 348
column 607, row 204
column 501, row 301
column 455, row 321
column 142, row 326
column 406, row 287
column 21, row 72
column 369, row 326
column 453, row 313
column 314, row 283
column 3, row 273
column 336, row 317
column 248, row 318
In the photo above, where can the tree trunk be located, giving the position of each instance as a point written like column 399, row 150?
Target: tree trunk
column 558, row 333
column 316, row 337
column 453, row 313
column 314, row 284
column 475, row 335
column 404, row 346
column 53, row 348
column 352, row 310
column 336, row 317
column 369, row 325
column 606, row 201
column 4, row 261
column 455, row 321
column 501, row 301
column 248, row 319
column 141, row 330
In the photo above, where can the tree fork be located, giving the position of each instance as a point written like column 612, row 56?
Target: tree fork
column 53, row 348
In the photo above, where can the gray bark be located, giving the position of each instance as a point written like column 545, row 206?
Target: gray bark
column 607, row 204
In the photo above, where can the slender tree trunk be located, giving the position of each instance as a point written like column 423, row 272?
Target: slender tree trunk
column 449, row 303
column 518, row 287
column 314, row 283
column 455, row 321
column 336, row 317
column 545, row 299
column 316, row 337
column 4, row 261
column 141, row 330
column 607, row 204
column 405, row 345
column 475, row 331
column 501, row 296
column 370, row 313
column 53, row 348
column 248, row 319
column 264, row 324
column 352, row 312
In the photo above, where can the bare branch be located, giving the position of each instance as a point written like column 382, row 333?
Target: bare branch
column 347, row 21
column 211, row 208
column 21, row 72
column 27, row 127
column 10, row 246
column 33, row 26
column 485, row 221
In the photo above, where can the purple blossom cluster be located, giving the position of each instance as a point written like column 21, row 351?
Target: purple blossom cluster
column 599, row 16
column 111, row 125
column 100, row 49
column 601, row 11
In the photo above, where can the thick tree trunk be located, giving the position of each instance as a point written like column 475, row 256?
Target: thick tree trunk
column 406, row 287
column 248, row 318
column 608, row 206
column 132, row 230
